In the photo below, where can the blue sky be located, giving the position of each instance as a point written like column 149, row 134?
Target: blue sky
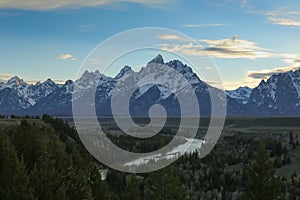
column 248, row 40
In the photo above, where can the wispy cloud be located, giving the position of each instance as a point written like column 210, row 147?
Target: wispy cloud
column 33, row 82
column 254, row 77
column 236, row 48
column 56, row 4
column 230, row 48
column 5, row 77
column 201, row 25
column 233, row 3
column 244, row 2
column 284, row 18
column 266, row 73
column 66, row 57
column 172, row 37
column 223, row 48
column 292, row 59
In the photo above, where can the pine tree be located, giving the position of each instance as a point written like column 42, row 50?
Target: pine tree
column 14, row 181
column 79, row 187
column 164, row 184
column 261, row 181
column 30, row 142
column 131, row 191
column 173, row 186
column 50, row 173
column 99, row 186
column 292, row 139
column 47, row 180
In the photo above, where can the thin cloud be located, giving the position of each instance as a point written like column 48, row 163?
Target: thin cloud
column 236, row 48
column 66, row 57
column 201, row 25
column 172, row 37
column 5, row 77
column 258, row 75
column 293, row 59
column 266, row 73
column 33, row 82
column 244, row 2
column 235, row 4
column 224, row 48
column 56, row 4
column 253, row 78
column 284, row 18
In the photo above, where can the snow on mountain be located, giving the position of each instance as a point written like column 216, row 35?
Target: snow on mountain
column 166, row 77
column 51, row 98
column 242, row 94
column 279, row 95
column 27, row 94
column 40, row 90
column 90, row 80
column 158, row 59
column 17, row 87
column 15, row 81
column 69, row 86
column 295, row 78
column 185, row 70
column 125, row 70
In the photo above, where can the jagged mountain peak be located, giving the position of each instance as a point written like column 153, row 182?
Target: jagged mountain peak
column 15, row 81
column 126, row 69
column 87, row 73
column 185, row 70
column 158, row 59
column 241, row 94
column 92, row 79
column 278, row 95
column 69, row 82
column 49, row 82
column 244, row 88
column 90, row 75
column 179, row 66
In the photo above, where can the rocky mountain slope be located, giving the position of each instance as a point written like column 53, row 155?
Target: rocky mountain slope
column 279, row 95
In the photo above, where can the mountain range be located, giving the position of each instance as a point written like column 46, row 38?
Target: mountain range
column 278, row 96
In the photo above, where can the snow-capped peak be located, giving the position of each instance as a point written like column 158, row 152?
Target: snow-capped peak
column 92, row 79
column 295, row 76
column 69, row 84
column 15, row 81
column 90, row 76
column 242, row 94
column 123, row 71
column 185, row 70
column 49, row 82
column 158, row 59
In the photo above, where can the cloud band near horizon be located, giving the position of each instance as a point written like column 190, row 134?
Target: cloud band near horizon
column 57, row 4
